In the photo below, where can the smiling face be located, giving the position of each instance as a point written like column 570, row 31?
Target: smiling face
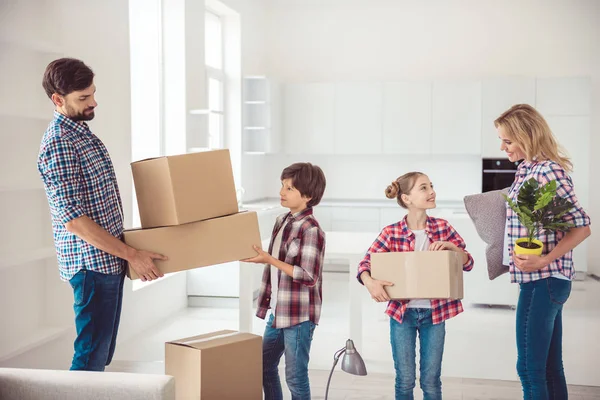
column 421, row 196
column 508, row 145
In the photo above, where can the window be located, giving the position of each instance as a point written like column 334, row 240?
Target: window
column 215, row 78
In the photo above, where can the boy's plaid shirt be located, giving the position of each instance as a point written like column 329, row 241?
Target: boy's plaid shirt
column 299, row 297
column 396, row 238
column 543, row 172
column 79, row 180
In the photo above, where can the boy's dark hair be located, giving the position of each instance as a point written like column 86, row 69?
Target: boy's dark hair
column 66, row 75
column 308, row 179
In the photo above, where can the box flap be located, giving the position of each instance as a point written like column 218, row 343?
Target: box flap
column 214, row 339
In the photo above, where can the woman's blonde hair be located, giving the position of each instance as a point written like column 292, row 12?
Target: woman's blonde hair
column 525, row 126
column 402, row 185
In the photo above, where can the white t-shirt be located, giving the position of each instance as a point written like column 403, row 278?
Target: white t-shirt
column 274, row 270
column 421, row 244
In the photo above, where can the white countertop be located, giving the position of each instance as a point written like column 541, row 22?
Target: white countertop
column 269, row 203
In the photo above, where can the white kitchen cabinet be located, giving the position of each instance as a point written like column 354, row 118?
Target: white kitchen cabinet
column 308, row 118
column 357, row 123
column 456, row 118
column 323, row 216
column 407, row 118
column 573, row 133
column 391, row 215
column 355, row 219
column 498, row 95
column 563, row 96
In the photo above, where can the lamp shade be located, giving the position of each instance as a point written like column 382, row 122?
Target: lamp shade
column 352, row 362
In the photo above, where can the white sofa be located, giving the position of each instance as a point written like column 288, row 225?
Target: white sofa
column 39, row 384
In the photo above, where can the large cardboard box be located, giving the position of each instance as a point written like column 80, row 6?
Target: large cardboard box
column 175, row 190
column 199, row 244
column 224, row 365
column 420, row 274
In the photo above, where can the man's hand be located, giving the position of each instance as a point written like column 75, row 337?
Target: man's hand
column 262, row 258
column 142, row 262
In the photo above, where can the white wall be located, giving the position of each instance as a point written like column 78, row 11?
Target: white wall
column 594, row 256
column 387, row 40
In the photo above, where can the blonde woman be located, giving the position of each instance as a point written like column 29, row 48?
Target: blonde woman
column 545, row 281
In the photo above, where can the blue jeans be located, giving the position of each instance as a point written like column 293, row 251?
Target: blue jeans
column 539, row 339
column 403, row 337
column 294, row 342
column 97, row 305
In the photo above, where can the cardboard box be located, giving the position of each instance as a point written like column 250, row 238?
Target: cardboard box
column 199, row 244
column 186, row 188
column 420, row 274
column 224, row 365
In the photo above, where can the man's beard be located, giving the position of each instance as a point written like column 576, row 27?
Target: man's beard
column 80, row 116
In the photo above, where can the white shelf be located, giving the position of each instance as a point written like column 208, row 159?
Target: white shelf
column 42, row 336
column 8, row 260
column 255, row 128
column 256, row 102
column 259, row 153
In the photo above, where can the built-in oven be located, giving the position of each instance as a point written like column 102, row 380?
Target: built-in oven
column 498, row 173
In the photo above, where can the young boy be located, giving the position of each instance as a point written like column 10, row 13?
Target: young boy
column 292, row 280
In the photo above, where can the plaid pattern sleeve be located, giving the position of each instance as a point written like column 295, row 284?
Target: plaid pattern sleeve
column 544, row 172
column 79, row 180
column 310, row 257
column 61, row 168
column 398, row 237
column 380, row 245
column 299, row 297
column 458, row 241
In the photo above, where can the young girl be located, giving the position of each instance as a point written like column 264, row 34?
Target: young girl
column 416, row 232
column 545, row 280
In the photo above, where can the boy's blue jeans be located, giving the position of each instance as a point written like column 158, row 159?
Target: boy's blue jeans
column 403, row 339
column 295, row 343
column 97, row 306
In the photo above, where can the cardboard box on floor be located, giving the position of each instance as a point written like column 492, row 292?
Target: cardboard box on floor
column 199, row 244
column 176, row 190
column 224, row 365
column 420, row 274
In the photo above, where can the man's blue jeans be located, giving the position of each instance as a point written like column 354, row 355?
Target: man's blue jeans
column 97, row 305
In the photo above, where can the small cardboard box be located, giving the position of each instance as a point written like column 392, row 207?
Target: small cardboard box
column 199, row 244
column 176, row 190
column 420, row 274
column 224, row 365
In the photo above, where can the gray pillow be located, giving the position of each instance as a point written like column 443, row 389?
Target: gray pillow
column 488, row 212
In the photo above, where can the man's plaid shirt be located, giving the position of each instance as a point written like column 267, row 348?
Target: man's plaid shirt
column 79, row 180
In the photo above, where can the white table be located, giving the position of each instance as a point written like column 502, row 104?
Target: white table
column 348, row 246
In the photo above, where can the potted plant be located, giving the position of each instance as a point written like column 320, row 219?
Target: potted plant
column 538, row 209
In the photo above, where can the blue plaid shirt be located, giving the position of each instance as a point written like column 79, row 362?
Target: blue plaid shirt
column 79, row 179
column 543, row 172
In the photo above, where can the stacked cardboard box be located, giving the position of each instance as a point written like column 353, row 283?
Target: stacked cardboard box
column 189, row 212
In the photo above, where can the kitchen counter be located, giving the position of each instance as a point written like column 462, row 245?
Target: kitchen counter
column 270, row 203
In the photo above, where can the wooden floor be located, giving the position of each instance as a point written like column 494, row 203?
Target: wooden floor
column 381, row 387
